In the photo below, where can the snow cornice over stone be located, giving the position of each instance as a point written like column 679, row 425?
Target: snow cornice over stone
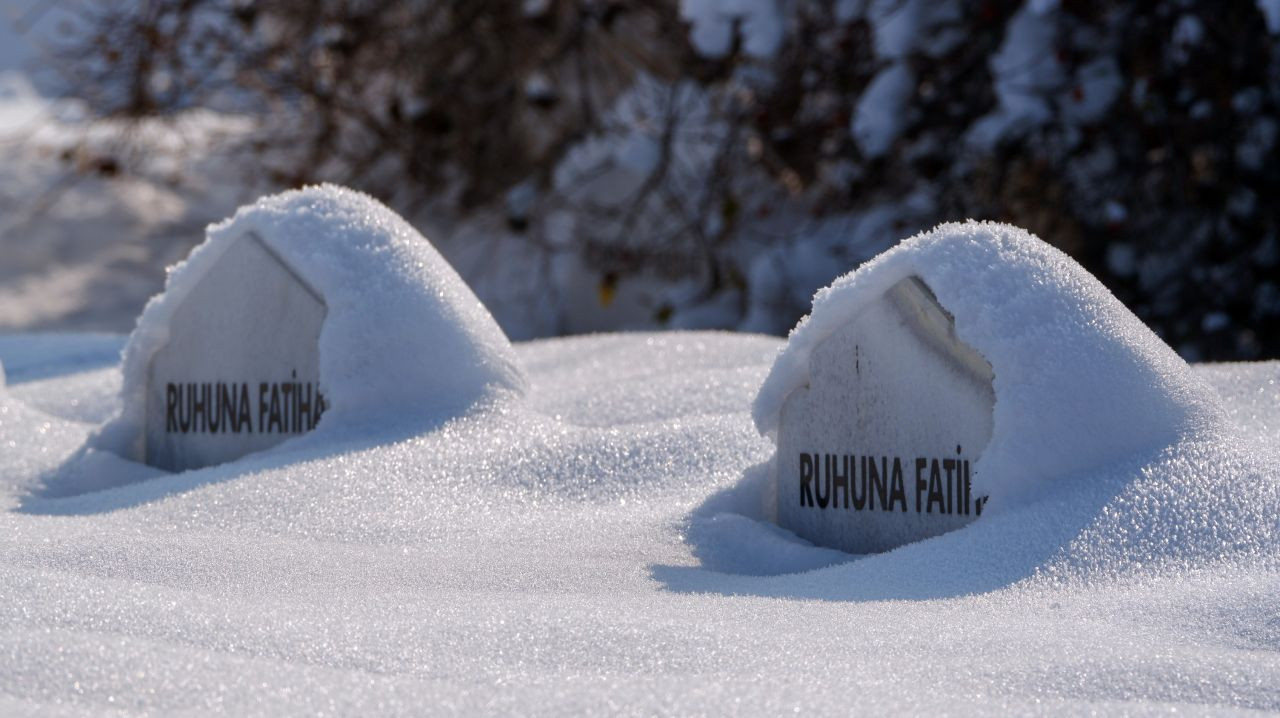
column 1079, row 380
column 403, row 334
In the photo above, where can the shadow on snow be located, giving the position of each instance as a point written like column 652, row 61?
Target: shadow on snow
column 744, row 554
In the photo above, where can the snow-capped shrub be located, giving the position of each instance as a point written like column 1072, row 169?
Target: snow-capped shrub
column 713, row 162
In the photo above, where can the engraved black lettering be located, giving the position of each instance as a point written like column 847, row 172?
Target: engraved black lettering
column 216, row 406
column 263, row 407
column 921, row 484
column 879, row 484
column 304, row 407
column 230, row 406
column 840, row 481
column 824, row 498
column 286, row 401
column 858, row 482
column 245, row 420
column 949, row 466
column 806, row 478
column 935, row 488
column 273, row 414
column 201, row 420
column 899, row 491
column 170, row 407
column 968, row 489
column 184, row 411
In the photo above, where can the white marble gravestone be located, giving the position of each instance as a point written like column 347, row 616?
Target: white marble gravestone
column 240, row 370
column 878, row 450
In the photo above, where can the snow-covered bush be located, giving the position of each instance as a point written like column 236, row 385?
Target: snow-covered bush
column 595, row 164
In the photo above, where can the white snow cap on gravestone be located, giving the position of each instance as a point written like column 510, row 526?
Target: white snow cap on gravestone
column 1077, row 380
column 397, row 331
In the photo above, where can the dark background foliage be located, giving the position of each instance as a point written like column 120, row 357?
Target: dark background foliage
column 1163, row 188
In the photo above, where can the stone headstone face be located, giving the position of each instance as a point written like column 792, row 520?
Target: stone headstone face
column 878, row 450
column 240, row 371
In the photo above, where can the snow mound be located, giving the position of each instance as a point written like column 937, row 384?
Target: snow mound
column 404, row 337
column 1110, row 457
column 1080, row 382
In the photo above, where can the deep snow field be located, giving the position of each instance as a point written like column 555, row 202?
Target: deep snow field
column 538, row 559
column 560, row 553
column 582, row 524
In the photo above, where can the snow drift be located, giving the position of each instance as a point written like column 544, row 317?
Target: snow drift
column 404, row 337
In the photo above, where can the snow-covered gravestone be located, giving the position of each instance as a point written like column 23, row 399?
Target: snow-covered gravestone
column 878, row 449
column 958, row 374
column 306, row 311
column 240, row 371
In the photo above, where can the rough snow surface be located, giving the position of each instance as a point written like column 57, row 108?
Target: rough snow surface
column 403, row 334
column 591, row 549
